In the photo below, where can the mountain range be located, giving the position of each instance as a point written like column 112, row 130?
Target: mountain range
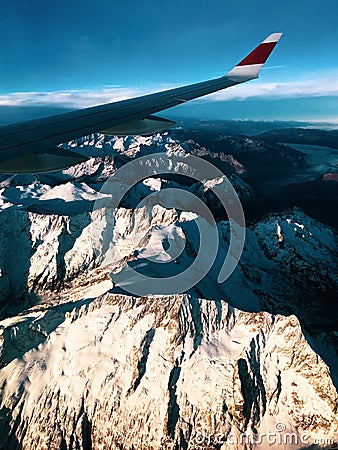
column 85, row 364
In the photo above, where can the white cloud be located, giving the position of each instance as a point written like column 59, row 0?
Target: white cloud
column 324, row 86
column 71, row 98
column 291, row 89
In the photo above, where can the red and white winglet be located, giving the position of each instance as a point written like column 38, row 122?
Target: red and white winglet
column 251, row 65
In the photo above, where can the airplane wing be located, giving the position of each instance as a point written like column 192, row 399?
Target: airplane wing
column 32, row 146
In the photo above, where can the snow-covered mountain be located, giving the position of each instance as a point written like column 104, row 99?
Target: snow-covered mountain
column 86, row 365
column 160, row 372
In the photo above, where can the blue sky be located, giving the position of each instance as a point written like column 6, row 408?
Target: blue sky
column 80, row 53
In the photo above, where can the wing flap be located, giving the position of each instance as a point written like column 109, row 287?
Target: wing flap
column 149, row 125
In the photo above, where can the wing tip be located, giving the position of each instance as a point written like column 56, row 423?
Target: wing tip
column 251, row 65
column 274, row 37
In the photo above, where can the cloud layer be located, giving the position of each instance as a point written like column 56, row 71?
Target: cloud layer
column 293, row 89
column 320, row 87
column 71, row 98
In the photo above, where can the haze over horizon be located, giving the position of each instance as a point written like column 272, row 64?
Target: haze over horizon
column 74, row 54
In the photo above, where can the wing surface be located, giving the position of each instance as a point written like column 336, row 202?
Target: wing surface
column 22, row 141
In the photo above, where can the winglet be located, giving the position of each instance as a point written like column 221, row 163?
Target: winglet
column 251, row 65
